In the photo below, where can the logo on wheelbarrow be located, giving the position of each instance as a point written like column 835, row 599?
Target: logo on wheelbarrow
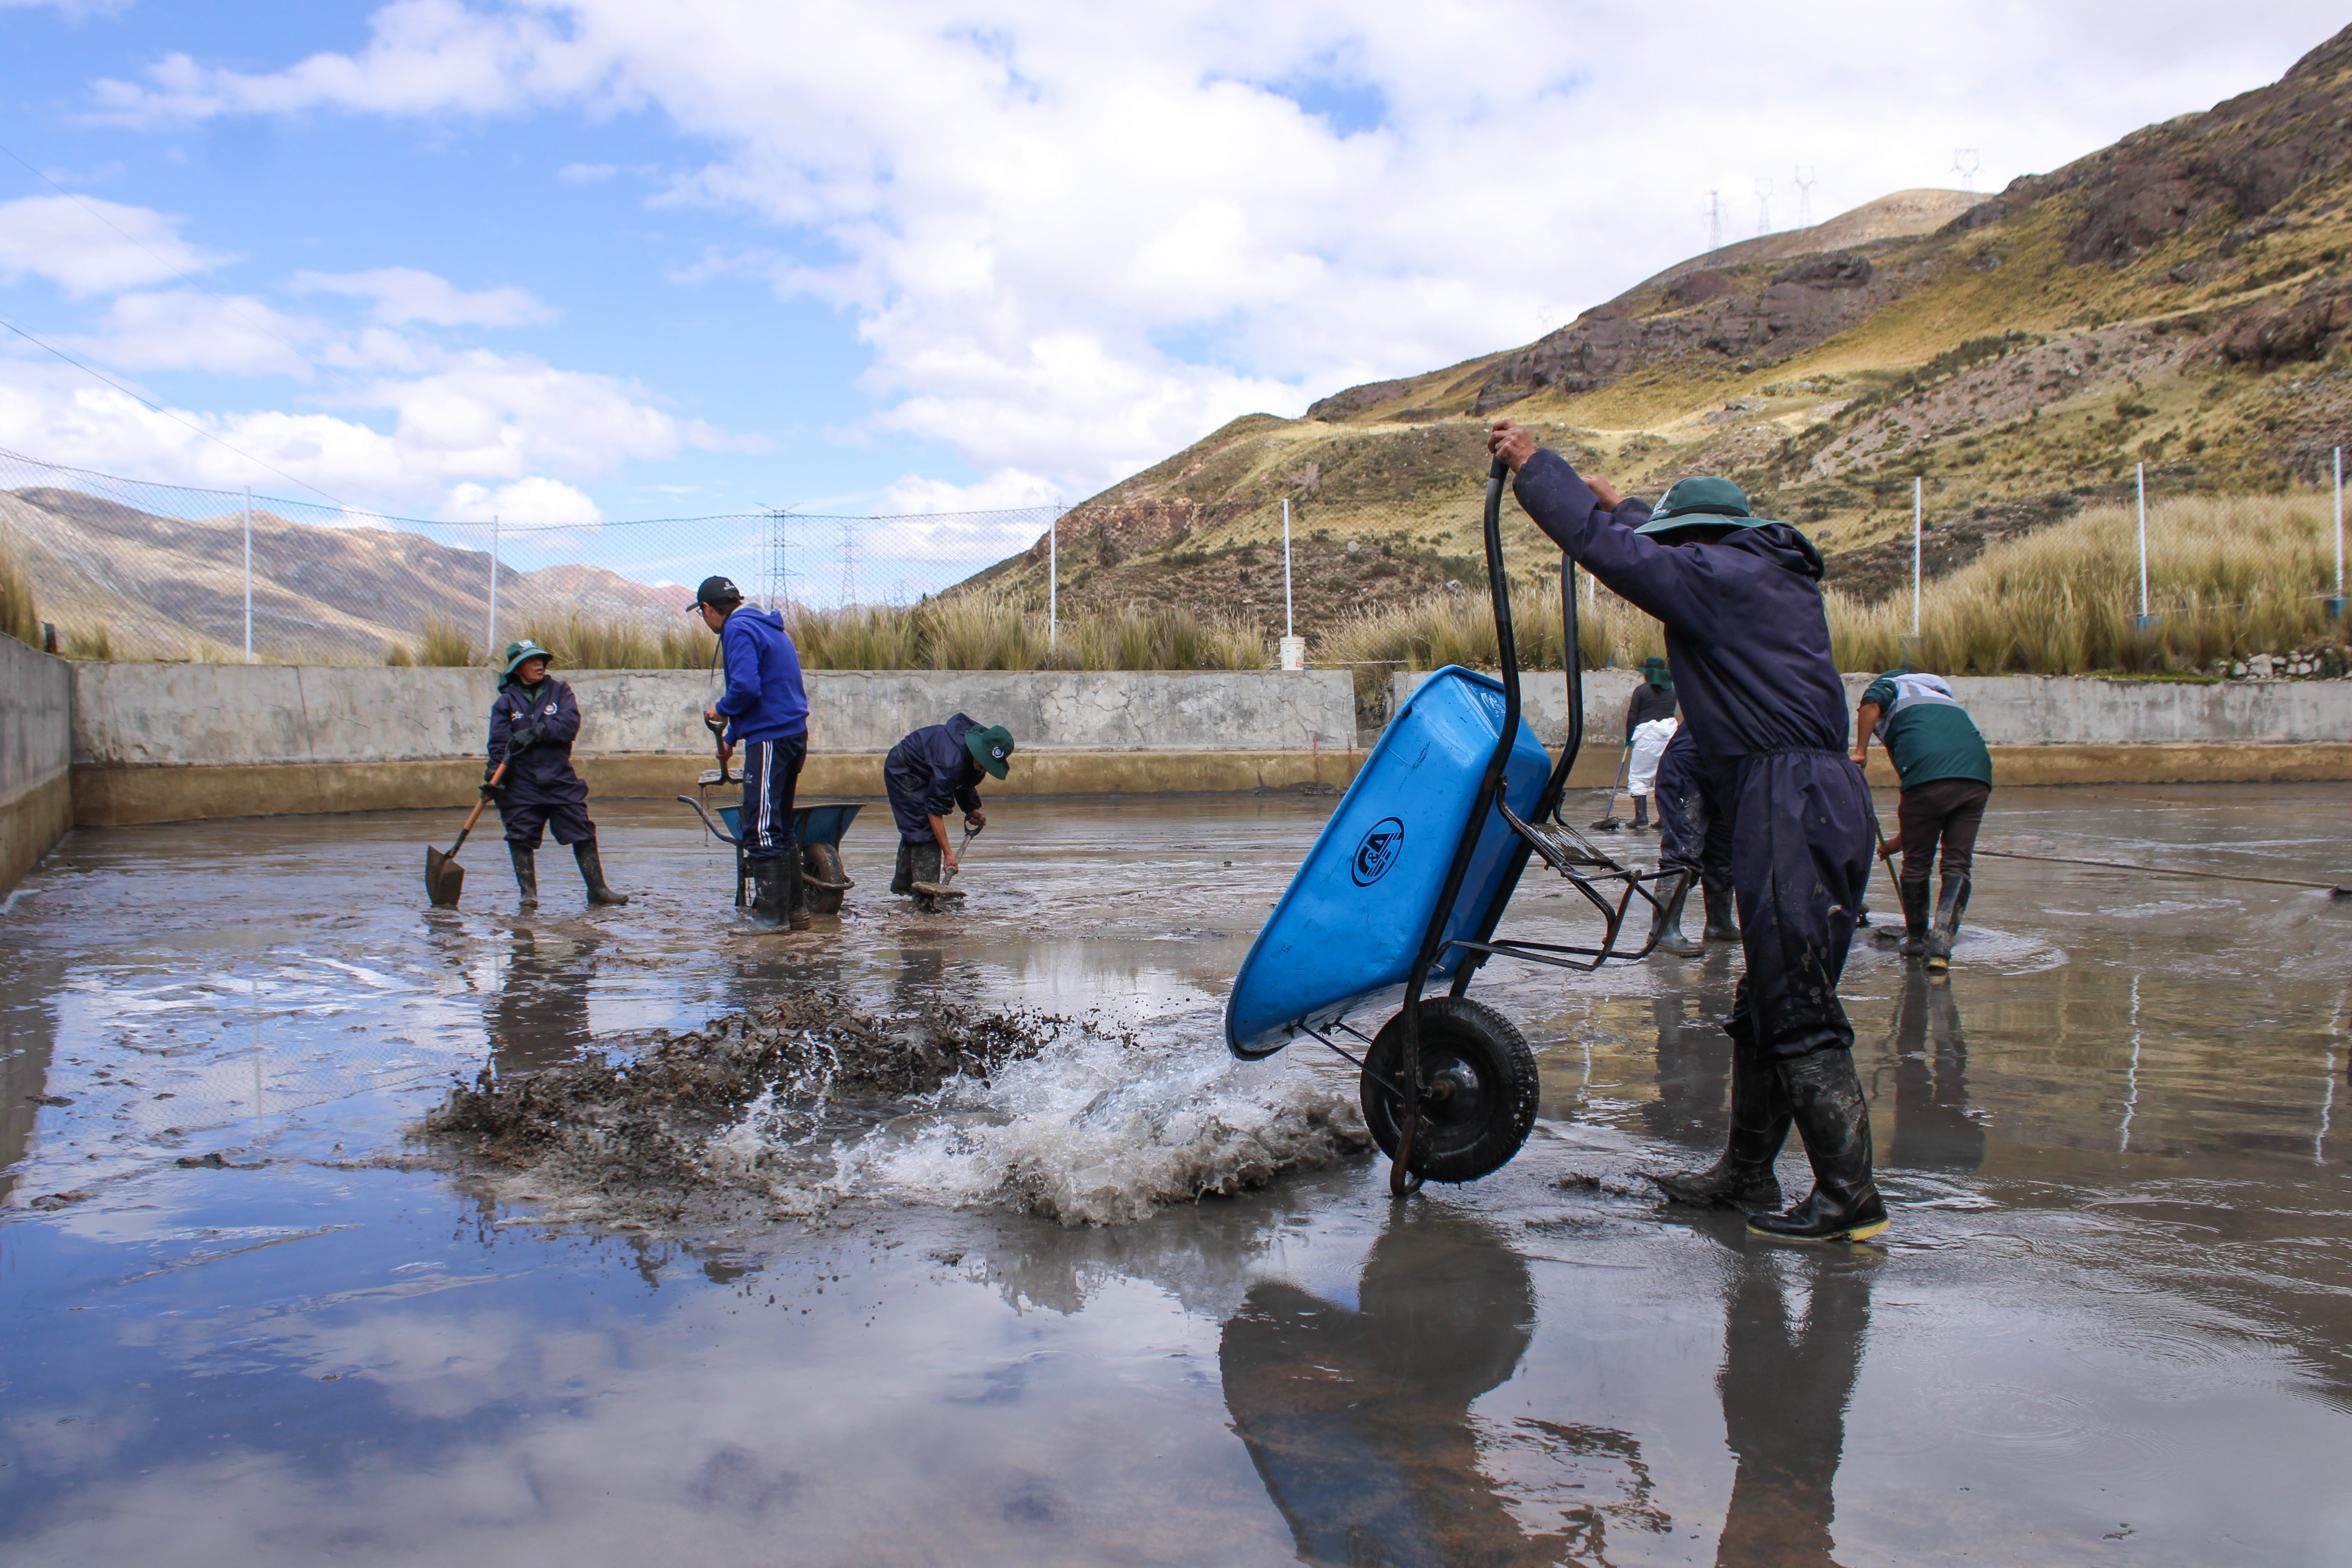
column 1377, row 851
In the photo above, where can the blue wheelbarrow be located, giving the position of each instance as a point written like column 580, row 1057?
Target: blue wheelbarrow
column 1406, row 884
column 818, row 825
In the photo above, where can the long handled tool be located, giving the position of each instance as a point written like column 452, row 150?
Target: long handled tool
column 940, row 888
column 2334, row 889
column 1608, row 823
column 717, row 729
column 444, row 878
column 1886, row 935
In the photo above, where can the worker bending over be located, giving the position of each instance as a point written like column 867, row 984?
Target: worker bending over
column 933, row 769
column 1946, row 771
column 1650, row 723
column 1740, row 599
column 765, row 707
column 533, row 721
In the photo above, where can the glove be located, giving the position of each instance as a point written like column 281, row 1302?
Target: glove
column 525, row 739
column 490, row 793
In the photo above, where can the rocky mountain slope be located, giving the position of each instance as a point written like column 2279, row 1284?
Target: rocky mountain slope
column 2181, row 298
column 174, row 587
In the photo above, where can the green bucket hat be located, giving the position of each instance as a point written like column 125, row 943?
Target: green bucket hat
column 989, row 748
column 1702, row 503
column 519, row 651
column 1655, row 670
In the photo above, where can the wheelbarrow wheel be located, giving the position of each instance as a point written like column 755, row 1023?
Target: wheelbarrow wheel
column 1478, row 1090
column 823, row 878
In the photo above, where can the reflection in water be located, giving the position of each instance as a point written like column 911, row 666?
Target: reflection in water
column 1694, row 1056
column 538, row 1015
column 29, row 1032
column 1933, row 1128
column 1785, row 1392
column 1360, row 1424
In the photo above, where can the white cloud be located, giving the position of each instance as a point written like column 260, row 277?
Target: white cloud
column 587, row 173
column 1006, row 489
column 532, row 502
column 86, row 246
column 406, row 294
column 181, row 329
column 1076, row 237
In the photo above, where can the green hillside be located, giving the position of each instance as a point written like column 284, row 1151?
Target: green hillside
column 2181, row 298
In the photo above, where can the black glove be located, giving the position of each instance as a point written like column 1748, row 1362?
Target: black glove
column 490, row 791
column 525, row 739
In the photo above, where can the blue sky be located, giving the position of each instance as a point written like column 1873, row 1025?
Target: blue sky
column 607, row 259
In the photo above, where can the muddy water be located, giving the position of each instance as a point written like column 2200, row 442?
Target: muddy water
column 2110, row 1324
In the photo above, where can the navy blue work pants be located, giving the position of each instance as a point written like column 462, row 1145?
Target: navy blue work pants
column 1693, row 831
column 526, row 820
column 1800, row 858
column 771, row 774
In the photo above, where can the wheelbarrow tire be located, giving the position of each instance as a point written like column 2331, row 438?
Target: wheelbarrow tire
column 1483, row 1062
column 822, row 876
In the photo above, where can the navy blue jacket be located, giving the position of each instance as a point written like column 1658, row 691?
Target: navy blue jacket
column 538, row 773
column 765, row 699
column 1746, row 633
column 930, row 772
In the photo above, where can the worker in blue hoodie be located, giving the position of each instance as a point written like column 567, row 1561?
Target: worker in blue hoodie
column 765, row 711
column 1740, row 599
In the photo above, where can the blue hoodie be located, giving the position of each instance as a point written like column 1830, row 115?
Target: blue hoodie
column 765, row 699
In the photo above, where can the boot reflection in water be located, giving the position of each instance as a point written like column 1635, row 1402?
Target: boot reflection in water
column 1785, row 1392
column 1932, row 1130
column 1358, row 1421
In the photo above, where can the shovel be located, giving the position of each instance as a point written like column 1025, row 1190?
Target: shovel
column 1884, row 935
column 444, row 878
column 1608, row 823
column 940, row 889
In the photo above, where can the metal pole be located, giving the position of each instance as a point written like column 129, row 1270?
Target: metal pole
column 1054, row 580
column 2142, row 471
column 1918, row 505
column 2340, row 526
column 493, row 649
column 249, row 573
column 1287, row 629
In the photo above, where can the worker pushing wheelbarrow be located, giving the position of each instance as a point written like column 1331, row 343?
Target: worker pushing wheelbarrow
column 1405, row 885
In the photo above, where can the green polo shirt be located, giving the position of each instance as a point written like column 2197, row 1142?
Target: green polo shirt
column 1926, row 730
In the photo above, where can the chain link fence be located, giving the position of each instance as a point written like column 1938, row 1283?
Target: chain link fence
column 2064, row 584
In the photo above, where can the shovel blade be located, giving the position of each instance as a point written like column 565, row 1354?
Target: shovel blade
column 444, row 878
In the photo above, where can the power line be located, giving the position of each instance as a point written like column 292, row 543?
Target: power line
column 158, row 408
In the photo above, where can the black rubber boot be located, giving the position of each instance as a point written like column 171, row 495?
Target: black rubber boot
column 924, row 864
column 1951, row 903
column 592, row 871
column 1669, row 923
column 1641, row 813
column 769, row 894
column 525, row 874
column 1825, row 1098
column 796, row 913
column 1742, row 1178
column 902, row 880
column 1722, row 916
column 1915, row 917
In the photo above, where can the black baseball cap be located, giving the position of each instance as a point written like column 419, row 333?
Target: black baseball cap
column 718, row 593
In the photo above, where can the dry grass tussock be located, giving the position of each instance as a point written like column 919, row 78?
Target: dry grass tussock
column 2227, row 577
column 979, row 631
column 19, row 618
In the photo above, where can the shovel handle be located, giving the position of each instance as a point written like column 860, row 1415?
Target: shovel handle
column 476, row 815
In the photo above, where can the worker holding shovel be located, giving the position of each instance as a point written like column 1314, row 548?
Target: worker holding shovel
column 1740, row 599
column 533, row 721
column 931, row 770
column 765, row 710
column 1941, row 761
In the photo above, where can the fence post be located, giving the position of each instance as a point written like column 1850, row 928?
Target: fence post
column 2335, row 604
column 249, row 573
column 1918, row 505
column 1287, row 629
column 493, row 649
column 2140, row 481
column 1054, row 581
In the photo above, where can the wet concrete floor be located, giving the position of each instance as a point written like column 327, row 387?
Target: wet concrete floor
column 2112, row 1322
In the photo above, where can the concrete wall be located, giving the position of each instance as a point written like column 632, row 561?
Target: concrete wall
column 36, row 751
column 2055, row 729
column 158, row 742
